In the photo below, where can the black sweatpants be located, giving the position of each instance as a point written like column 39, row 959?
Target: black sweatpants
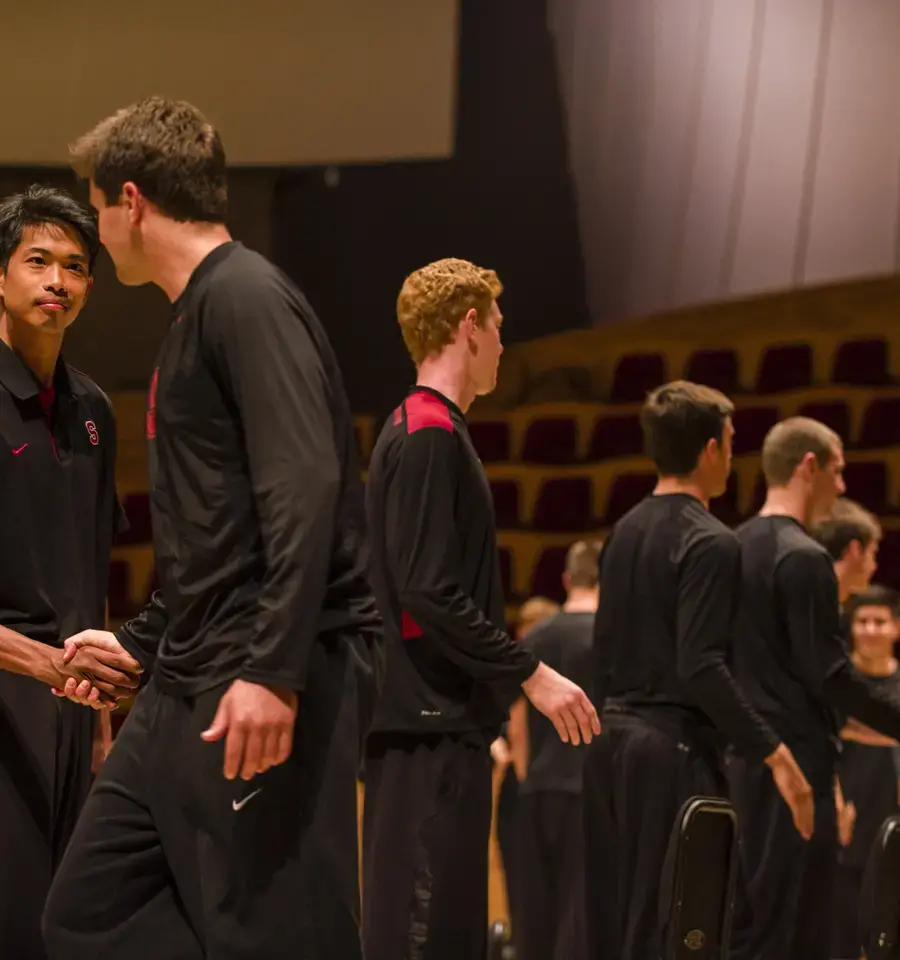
column 170, row 859
column 549, row 851
column 636, row 779
column 426, row 827
column 789, row 882
column 45, row 775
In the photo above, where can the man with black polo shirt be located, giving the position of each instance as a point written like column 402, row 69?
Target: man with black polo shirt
column 790, row 655
column 669, row 582
column 58, row 514
column 224, row 823
column 548, row 817
column 452, row 669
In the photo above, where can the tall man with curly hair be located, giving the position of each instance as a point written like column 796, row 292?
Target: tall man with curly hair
column 452, row 669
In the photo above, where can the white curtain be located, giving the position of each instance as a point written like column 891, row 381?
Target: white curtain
column 722, row 148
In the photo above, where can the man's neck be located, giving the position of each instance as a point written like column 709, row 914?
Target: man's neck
column 38, row 351
column 685, row 485
column 581, row 600
column 177, row 251
column 874, row 666
column 786, row 502
column 439, row 373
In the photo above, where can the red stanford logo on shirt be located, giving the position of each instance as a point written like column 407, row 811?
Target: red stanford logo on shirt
column 91, row 428
column 151, row 407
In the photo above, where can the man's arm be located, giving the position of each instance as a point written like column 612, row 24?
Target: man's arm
column 142, row 635
column 424, row 558
column 808, row 590
column 708, row 592
column 268, row 364
column 29, row 658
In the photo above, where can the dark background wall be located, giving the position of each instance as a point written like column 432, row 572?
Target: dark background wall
column 504, row 200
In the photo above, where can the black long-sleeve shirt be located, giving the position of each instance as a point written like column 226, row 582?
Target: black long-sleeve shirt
column 669, row 586
column 256, row 496
column 791, row 653
column 450, row 664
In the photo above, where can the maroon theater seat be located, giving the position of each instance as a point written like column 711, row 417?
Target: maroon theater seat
column 880, row 424
column 551, row 441
column 833, row 413
column 121, row 606
column 889, row 560
column 635, row 375
column 751, row 424
column 627, row 490
column 861, row 363
column 714, row 368
column 787, row 367
column 506, row 503
column 546, row 578
column 506, row 572
column 491, row 440
column 726, row 506
column 759, row 495
column 140, row 528
column 616, row 436
column 564, row 504
column 868, row 484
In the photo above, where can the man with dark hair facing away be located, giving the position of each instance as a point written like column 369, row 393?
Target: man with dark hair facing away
column 451, row 669
column 59, row 515
column 790, row 655
column 548, row 823
column 224, row 823
column 669, row 581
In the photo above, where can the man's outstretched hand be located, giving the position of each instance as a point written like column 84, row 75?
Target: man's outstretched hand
column 257, row 722
column 96, row 671
column 563, row 702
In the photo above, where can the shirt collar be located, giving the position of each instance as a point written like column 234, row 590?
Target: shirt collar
column 22, row 383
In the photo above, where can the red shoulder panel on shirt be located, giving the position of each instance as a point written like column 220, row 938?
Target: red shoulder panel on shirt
column 426, row 410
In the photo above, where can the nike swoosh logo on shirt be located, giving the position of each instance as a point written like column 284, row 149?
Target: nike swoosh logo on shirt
column 19, row 450
column 240, row 804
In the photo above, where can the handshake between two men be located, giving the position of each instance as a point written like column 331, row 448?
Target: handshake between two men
column 95, row 670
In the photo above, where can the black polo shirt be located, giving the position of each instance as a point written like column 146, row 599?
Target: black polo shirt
column 58, row 505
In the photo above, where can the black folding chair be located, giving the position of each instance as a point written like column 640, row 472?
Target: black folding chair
column 879, row 902
column 699, row 881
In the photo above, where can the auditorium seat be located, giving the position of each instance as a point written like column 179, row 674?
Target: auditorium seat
column 867, row 482
column 564, row 505
column 861, row 363
column 726, row 507
column 551, row 441
column 718, row 369
column 546, row 578
column 616, row 436
column 140, row 528
column 785, row 367
column 121, row 606
column 625, row 492
column 506, row 572
column 751, row 424
column 491, row 440
column 635, row 375
column 506, row 503
column 759, row 495
column 833, row 413
column 880, row 424
column 889, row 560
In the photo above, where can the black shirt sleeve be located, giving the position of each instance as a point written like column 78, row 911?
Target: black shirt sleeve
column 271, row 370
column 424, row 558
column 141, row 636
column 808, row 594
column 708, row 587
